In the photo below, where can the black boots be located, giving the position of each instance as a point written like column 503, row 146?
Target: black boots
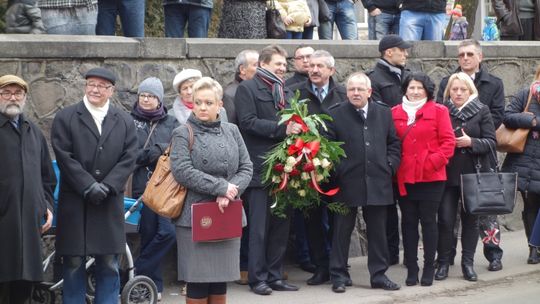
column 442, row 272
column 427, row 275
column 412, row 275
column 534, row 255
column 468, row 273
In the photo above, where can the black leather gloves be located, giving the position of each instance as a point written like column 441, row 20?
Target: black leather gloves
column 96, row 193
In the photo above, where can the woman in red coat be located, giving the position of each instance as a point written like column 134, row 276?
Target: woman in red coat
column 427, row 144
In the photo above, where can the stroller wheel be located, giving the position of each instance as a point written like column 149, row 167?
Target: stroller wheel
column 42, row 295
column 139, row 290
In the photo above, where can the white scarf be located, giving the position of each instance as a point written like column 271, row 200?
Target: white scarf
column 181, row 112
column 411, row 107
column 473, row 96
column 98, row 114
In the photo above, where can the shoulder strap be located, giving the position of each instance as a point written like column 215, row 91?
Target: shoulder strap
column 150, row 134
column 528, row 101
column 190, row 145
column 407, row 131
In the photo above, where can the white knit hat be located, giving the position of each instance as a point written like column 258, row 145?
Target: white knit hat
column 185, row 75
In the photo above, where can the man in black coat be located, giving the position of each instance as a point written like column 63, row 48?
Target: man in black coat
column 491, row 93
column 245, row 65
column 302, row 54
column 257, row 103
column 322, row 92
column 26, row 188
column 364, row 177
column 386, row 79
column 95, row 146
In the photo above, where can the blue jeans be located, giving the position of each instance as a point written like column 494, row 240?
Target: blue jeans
column 421, row 26
column 308, row 32
column 342, row 13
column 70, row 21
column 382, row 24
column 131, row 16
column 178, row 15
column 106, row 274
column 294, row 35
column 157, row 237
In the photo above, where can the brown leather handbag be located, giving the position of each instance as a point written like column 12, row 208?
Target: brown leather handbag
column 512, row 140
column 163, row 194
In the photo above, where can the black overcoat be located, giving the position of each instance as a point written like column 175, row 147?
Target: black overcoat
column 373, row 154
column 27, row 183
column 84, row 156
column 258, row 122
column 386, row 85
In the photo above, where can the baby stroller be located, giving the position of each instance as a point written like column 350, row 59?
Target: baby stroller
column 136, row 289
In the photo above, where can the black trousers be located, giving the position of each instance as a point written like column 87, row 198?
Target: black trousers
column 392, row 232
column 268, row 236
column 16, row 292
column 316, row 235
column 425, row 213
column 446, row 221
column 343, row 225
column 531, row 206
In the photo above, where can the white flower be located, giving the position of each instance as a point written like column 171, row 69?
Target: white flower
column 288, row 168
column 316, row 162
column 295, row 184
column 325, row 163
column 276, row 179
column 319, row 178
column 305, row 176
column 291, row 161
column 302, row 193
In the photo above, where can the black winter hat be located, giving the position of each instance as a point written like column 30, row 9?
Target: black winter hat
column 101, row 73
column 390, row 41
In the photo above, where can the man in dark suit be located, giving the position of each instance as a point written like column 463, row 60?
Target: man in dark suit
column 386, row 78
column 257, row 102
column 302, row 55
column 491, row 93
column 364, row 177
column 322, row 92
column 95, row 146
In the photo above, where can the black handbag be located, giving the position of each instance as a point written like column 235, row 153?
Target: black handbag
column 275, row 28
column 488, row 193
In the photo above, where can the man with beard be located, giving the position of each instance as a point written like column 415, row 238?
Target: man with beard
column 26, row 187
column 258, row 101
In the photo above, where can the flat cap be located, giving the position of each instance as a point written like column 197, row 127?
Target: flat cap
column 12, row 79
column 390, row 41
column 101, row 73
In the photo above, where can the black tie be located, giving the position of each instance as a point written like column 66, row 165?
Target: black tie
column 319, row 94
column 361, row 114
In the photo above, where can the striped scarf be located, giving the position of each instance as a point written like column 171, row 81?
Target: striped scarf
column 275, row 84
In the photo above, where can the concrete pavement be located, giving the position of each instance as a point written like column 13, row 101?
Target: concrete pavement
column 514, row 262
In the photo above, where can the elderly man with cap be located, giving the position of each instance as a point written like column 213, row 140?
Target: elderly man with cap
column 26, row 185
column 154, row 131
column 386, row 78
column 183, row 104
column 95, row 146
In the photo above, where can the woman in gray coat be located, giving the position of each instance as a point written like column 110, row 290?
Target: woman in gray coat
column 218, row 169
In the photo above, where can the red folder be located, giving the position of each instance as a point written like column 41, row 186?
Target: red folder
column 209, row 224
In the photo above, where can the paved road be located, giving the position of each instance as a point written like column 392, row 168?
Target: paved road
column 514, row 261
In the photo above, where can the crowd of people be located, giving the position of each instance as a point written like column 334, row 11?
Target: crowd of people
column 245, row 19
column 397, row 132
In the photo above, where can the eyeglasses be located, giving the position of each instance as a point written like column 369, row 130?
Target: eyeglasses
column 468, row 54
column 98, row 86
column 149, row 96
column 7, row 94
column 303, row 57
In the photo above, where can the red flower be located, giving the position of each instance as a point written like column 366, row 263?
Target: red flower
column 294, row 172
column 297, row 119
column 279, row 167
column 308, row 167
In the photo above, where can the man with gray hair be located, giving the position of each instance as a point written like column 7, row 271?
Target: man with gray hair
column 245, row 66
column 26, row 185
column 322, row 92
column 364, row 177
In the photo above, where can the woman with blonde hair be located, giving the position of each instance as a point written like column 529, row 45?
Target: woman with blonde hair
column 217, row 168
column 475, row 144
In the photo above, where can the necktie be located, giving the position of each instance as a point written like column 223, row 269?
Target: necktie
column 362, row 115
column 319, row 93
column 15, row 123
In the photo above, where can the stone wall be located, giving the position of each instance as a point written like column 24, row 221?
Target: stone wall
column 54, row 65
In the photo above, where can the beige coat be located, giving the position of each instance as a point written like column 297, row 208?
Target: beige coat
column 297, row 10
